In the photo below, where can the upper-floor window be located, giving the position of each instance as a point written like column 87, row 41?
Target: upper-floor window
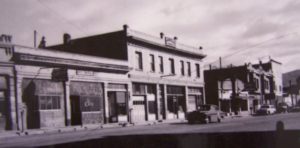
column 256, row 81
column 152, row 62
column 161, row 64
column 198, row 70
column 266, row 84
column 182, row 67
column 189, row 69
column 172, row 66
column 139, row 60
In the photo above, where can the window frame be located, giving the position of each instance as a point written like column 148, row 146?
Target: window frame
column 152, row 63
column 198, row 73
column 182, row 68
column 189, row 69
column 172, row 66
column 139, row 60
column 47, row 102
column 161, row 64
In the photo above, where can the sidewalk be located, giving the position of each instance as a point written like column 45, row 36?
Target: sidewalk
column 10, row 134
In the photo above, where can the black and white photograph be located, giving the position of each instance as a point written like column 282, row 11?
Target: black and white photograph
column 150, row 73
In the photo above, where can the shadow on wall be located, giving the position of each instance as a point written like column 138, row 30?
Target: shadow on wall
column 31, row 113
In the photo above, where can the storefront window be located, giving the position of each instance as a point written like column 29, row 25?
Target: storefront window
column 152, row 108
column 139, row 89
column 90, row 103
column 121, row 103
column 49, row 102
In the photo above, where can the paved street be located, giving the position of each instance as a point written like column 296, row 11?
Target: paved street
column 239, row 124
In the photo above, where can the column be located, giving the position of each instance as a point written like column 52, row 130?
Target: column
column 19, row 107
column 67, row 103
column 105, row 104
column 166, row 101
column 158, row 104
column 129, row 102
column 186, row 98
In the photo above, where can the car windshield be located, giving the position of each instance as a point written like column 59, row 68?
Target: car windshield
column 204, row 108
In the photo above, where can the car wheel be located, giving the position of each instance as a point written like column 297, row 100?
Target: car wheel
column 190, row 122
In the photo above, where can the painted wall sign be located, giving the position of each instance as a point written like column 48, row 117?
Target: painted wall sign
column 170, row 42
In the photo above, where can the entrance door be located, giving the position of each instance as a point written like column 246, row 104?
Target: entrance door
column 173, row 105
column 113, row 115
column 138, row 109
column 75, row 111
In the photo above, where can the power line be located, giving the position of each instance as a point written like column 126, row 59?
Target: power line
column 255, row 45
column 62, row 17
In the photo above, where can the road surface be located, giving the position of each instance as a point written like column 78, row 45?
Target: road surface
column 236, row 125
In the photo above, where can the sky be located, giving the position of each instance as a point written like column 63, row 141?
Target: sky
column 239, row 31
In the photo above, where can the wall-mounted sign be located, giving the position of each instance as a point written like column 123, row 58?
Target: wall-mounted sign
column 86, row 73
column 170, row 42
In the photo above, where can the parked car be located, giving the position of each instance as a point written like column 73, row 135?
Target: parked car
column 205, row 114
column 283, row 108
column 266, row 110
column 295, row 109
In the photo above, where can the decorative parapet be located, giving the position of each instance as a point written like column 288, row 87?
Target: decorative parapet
column 164, row 41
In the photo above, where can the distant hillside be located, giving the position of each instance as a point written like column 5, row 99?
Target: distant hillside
column 292, row 75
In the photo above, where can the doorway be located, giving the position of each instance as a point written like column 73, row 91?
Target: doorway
column 75, row 111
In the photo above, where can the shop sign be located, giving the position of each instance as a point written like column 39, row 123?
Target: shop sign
column 86, row 73
column 170, row 42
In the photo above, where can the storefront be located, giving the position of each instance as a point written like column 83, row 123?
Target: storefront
column 44, row 103
column 86, row 100
column 176, row 102
column 195, row 98
column 117, row 102
column 144, row 104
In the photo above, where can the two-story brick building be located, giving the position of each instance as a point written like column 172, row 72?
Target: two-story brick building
column 44, row 88
column 166, row 76
column 242, row 89
column 122, row 76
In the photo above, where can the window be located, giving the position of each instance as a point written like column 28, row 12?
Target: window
column 139, row 60
column 182, row 68
column 89, row 103
column 266, row 84
column 121, row 103
column 172, row 66
column 49, row 102
column 152, row 62
column 256, row 81
column 161, row 64
column 152, row 107
column 198, row 70
column 189, row 69
column 151, row 89
column 139, row 89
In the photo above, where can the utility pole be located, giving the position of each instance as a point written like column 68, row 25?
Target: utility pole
column 34, row 38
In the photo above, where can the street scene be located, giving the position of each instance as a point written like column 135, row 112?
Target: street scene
column 227, row 126
column 149, row 74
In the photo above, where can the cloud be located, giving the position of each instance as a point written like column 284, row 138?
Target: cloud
column 221, row 27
